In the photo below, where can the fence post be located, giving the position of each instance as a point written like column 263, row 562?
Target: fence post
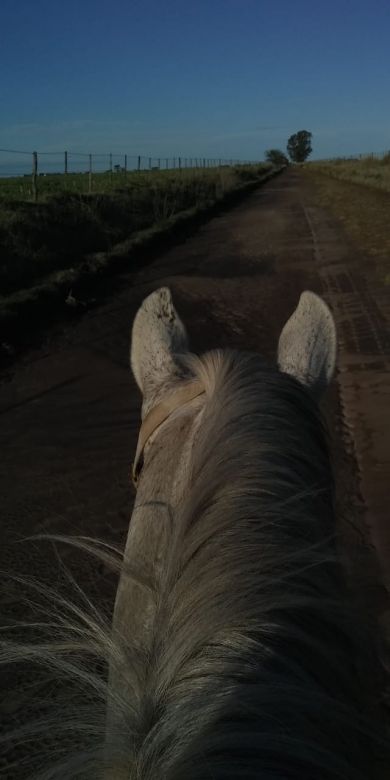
column 180, row 163
column 65, row 163
column 125, row 164
column 139, row 163
column 159, row 163
column 90, row 174
column 167, row 163
column 150, row 163
column 34, row 176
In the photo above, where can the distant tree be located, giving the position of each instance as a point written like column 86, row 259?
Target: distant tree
column 276, row 157
column 299, row 146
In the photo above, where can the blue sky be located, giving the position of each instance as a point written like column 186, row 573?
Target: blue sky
column 213, row 78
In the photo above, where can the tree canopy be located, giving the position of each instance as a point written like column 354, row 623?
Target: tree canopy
column 276, row 157
column 299, row 146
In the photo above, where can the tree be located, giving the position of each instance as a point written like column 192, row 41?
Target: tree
column 276, row 157
column 299, row 146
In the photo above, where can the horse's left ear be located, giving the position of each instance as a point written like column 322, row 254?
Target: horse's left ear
column 158, row 335
column 308, row 343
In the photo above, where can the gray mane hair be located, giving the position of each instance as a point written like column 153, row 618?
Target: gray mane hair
column 253, row 667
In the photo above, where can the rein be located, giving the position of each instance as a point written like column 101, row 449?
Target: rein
column 157, row 415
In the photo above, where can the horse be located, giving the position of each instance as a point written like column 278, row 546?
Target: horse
column 235, row 650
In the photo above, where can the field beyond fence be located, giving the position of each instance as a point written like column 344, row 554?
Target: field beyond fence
column 33, row 175
column 65, row 228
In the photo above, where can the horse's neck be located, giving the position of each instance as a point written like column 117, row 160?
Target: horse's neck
column 156, row 505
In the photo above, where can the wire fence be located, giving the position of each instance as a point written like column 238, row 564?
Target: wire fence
column 17, row 164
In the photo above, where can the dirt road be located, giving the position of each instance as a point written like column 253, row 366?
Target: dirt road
column 69, row 411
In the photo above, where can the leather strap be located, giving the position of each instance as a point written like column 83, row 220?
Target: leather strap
column 158, row 414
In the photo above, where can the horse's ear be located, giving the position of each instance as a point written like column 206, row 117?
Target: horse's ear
column 158, row 335
column 308, row 343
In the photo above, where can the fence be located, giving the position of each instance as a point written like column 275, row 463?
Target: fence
column 16, row 163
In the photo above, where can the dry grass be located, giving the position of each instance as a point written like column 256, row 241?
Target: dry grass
column 369, row 171
column 363, row 210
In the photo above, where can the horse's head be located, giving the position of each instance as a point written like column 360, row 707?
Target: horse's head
column 232, row 613
column 173, row 389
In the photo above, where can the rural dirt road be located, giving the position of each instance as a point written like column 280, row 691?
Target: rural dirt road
column 69, row 411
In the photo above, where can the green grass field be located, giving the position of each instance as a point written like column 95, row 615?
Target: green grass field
column 21, row 188
column 68, row 223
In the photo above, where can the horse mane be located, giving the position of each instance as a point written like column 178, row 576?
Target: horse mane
column 256, row 665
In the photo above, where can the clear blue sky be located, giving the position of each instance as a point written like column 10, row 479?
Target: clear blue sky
column 216, row 78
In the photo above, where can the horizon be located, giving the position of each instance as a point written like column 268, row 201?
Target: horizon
column 223, row 80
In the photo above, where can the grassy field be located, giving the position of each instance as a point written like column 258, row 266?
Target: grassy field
column 20, row 187
column 362, row 208
column 67, row 223
column 368, row 171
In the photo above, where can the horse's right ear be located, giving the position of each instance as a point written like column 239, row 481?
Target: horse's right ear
column 308, row 343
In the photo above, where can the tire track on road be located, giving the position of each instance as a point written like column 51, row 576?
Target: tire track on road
column 364, row 371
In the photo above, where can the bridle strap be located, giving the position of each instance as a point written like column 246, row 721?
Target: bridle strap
column 158, row 414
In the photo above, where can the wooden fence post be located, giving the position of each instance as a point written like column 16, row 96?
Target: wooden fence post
column 125, row 166
column 90, row 174
column 65, row 163
column 179, row 163
column 150, row 163
column 139, row 162
column 34, row 176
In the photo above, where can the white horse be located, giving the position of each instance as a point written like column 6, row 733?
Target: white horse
column 234, row 648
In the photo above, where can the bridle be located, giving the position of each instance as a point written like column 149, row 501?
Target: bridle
column 157, row 415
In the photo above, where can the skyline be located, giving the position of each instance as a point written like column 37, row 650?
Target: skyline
column 222, row 79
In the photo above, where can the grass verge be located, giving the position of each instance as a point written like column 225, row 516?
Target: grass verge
column 369, row 171
column 364, row 213
column 37, row 239
column 30, row 309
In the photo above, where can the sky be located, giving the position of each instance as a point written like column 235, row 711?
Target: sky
column 212, row 78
